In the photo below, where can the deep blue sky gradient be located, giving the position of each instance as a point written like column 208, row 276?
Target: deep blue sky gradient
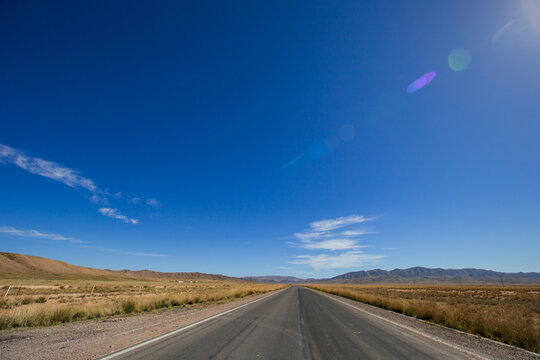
column 205, row 105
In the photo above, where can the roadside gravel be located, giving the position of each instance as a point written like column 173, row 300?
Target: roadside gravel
column 487, row 348
column 96, row 338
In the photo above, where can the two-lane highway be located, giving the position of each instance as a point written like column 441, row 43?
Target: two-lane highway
column 296, row 323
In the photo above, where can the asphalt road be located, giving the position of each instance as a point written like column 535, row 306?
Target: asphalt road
column 296, row 323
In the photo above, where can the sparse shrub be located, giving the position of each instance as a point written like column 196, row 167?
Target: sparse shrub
column 27, row 300
column 128, row 306
column 40, row 311
column 3, row 304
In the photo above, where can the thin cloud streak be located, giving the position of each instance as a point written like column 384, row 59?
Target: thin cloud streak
column 345, row 260
column 69, row 177
column 35, row 234
column 309, row 235
column 356, row 233
column 115, row 214
column 333, row 244
column 154, row 203
column 47, row 169
column 333, row 224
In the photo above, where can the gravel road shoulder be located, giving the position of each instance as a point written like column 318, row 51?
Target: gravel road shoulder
column 96, row 338
column 487, row 348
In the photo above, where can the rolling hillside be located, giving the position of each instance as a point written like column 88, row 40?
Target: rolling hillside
column 18, row 266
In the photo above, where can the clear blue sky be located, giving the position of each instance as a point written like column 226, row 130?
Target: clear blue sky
column 271, row 137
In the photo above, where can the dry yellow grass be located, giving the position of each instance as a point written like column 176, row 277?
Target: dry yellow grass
column 509, row 314
column 44, row 302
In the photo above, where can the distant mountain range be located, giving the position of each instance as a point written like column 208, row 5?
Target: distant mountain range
column 276, row 279
column 422, row 275
column 18, row 266
column 416, row 275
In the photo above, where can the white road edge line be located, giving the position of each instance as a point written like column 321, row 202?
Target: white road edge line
column 173, row 332
column 433, row 338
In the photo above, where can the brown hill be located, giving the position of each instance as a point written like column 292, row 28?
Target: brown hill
column 18, row 266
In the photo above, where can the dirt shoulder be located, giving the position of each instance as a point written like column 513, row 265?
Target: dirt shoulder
column 469, row 343
column 96, row 338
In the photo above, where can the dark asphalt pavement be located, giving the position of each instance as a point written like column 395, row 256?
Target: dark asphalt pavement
column 296, row 323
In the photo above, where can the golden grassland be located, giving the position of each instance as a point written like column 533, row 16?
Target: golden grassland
column 49, row 302
column 510, row 314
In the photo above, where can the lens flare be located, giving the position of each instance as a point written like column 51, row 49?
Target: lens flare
column 312, row 154
column 459, row 59
column 531, row 9
column 421, row 82
column 511, row 29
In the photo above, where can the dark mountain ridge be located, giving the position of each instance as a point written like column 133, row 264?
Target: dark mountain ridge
column 275, row 279
column 418, row 275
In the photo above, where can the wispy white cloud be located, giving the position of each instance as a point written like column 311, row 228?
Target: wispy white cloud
column 390, row 248
column 349, row 233
column 62, row 174
column 333, row 244
column 309, row 235
column 35, row 234
column 48, row 169
column 332, row 224
column 153, row 202
column 337, row 248
column 344, row 260
column 323, row 234
column 115, row 214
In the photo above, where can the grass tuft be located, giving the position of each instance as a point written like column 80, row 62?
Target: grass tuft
column 114, row 299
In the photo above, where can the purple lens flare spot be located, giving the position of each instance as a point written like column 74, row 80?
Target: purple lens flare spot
column 421, row 82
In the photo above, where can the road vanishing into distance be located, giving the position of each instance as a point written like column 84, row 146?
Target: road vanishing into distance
column 295, row 323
